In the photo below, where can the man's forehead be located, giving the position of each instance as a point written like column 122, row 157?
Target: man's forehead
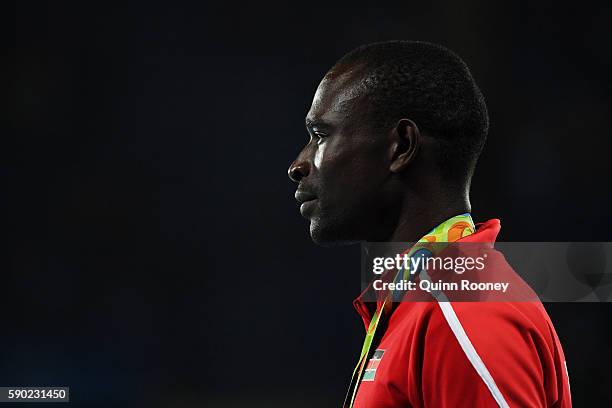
column 335, row 94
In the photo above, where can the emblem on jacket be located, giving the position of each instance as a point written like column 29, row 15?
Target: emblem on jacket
column 370, row 371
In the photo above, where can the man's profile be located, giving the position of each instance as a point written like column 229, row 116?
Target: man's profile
column 396, row 129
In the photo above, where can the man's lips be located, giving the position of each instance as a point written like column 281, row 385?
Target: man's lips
column 307, row 201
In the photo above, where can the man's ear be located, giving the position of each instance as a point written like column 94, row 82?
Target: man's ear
column 405, row 141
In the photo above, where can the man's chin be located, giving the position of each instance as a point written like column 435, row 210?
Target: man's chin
column 327, row 236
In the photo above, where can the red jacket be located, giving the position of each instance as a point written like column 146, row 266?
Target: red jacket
column 465, row 354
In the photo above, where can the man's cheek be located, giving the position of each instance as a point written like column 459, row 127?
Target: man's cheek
column 319, row 155
column 332, row 156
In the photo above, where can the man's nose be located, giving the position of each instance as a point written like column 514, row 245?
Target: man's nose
column 298, row 170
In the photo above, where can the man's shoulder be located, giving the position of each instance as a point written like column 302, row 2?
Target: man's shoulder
column 477, row 319
column 489, row 316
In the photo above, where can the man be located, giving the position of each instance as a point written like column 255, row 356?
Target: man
column 395, row 131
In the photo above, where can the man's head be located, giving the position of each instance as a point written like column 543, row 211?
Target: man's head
column 393, row 125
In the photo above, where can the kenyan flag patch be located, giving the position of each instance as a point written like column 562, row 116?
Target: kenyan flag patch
column 370, row 370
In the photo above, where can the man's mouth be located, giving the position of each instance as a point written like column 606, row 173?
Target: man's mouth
column 307, row 202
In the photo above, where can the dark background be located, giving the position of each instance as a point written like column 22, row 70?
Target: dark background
column 156, row 256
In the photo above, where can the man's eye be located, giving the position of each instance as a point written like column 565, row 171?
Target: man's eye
column 319, row 136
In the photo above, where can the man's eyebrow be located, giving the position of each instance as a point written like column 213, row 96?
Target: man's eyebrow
column 315, row 123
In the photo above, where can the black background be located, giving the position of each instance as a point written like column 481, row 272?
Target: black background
column 156, row 256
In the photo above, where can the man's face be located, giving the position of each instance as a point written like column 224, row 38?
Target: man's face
column 342, row 170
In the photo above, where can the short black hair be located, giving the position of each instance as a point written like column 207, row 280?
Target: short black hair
column 432, row 86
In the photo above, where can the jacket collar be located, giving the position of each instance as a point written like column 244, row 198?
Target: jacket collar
column 459, row 228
